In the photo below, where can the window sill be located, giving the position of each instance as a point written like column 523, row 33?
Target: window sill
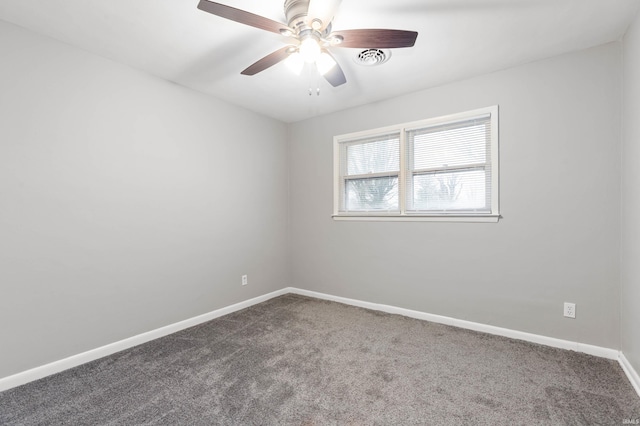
column 419, row 218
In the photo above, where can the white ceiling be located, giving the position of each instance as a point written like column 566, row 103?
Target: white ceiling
column 457, row 39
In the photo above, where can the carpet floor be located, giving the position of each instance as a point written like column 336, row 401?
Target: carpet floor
column 303, row 361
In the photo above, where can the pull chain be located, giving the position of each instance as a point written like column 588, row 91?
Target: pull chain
column 313, row 78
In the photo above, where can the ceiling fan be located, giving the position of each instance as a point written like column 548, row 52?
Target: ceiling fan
column 311, row 36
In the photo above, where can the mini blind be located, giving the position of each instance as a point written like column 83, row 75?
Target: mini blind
column 369, row 174
column 449, row 167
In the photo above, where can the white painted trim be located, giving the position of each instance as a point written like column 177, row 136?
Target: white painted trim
column 631, row 373
column 417, row 218
column 93, row 354
column 340, row 142
column 484, row 328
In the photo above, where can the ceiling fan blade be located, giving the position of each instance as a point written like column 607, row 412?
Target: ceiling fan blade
column 335, row 76
column 376, row 38
column 268, row 61
column 324, row 10
column 242, row 17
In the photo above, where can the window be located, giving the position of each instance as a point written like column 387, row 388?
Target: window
column 444, row 168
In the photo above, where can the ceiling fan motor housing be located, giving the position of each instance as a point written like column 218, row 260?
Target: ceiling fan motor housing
column 296, row 13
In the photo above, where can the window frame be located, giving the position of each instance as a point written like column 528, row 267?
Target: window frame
column 341, row 141
column 357, row 141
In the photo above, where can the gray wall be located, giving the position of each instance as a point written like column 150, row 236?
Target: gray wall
column 122, row 210
column 630, row 275
column 126, row 203
column 560, row 198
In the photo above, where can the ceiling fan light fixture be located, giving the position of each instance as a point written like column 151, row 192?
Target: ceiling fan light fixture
column 310, row 50
column 295, row 63
column 325, row 63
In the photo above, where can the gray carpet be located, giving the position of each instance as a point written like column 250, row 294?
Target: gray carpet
column 297, row 360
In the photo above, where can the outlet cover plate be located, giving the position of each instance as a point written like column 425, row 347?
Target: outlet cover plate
column 569, row 310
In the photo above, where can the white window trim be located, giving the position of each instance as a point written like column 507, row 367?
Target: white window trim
column 493, row 216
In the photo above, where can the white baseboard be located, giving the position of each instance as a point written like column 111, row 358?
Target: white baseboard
column 490, row 329
column 598, row 351
column 82, row 358
column 93, row 354
column 631, row 373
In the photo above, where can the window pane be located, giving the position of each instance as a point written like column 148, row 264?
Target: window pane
column 372, row 194
column 463, row 190
column 449, row 146
column 376, row 156
column 448, row 168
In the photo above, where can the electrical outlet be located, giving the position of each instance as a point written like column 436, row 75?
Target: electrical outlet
column 569, row 310
column 245, row 280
